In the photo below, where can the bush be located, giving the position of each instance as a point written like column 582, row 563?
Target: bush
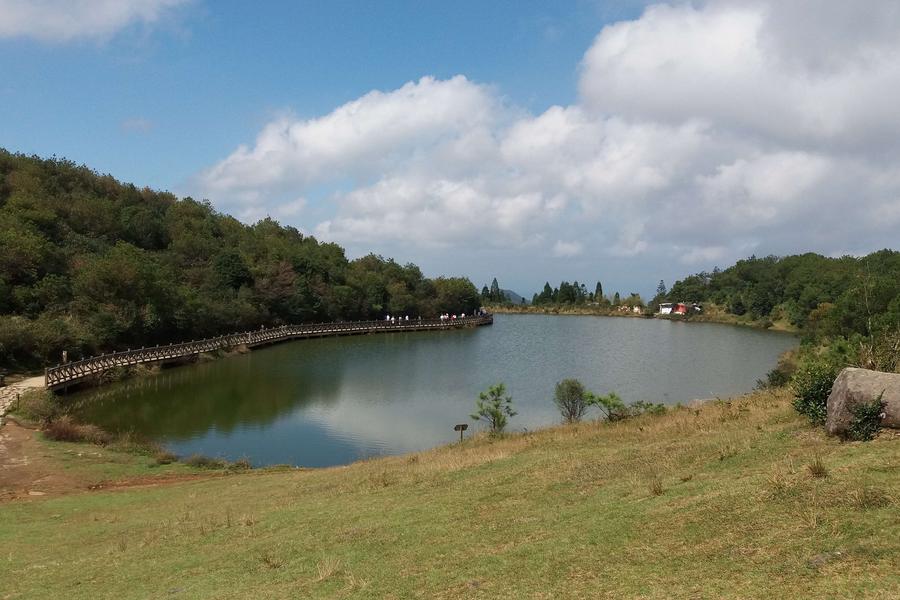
column 571, row 399
column 609, row 405
column 198, row 461
column 494, row 407
column 781, row 375
column 64, row 429
column 39, row 406
column 241, row 464
column 866, row 420
column 164, row 457
column 812, row 384
column 636, row 409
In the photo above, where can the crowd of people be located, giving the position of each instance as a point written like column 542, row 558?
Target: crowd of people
column 444, row 317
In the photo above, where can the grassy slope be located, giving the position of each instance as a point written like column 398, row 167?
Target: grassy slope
column 95, row 465
column 565, row 512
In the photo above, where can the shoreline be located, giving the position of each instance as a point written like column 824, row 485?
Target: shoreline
column 96, row 371
column 717, row 319
column 199, row 466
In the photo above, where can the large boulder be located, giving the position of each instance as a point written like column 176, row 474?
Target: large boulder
column 858, row 386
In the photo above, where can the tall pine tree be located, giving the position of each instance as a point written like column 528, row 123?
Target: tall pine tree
column 496, row 295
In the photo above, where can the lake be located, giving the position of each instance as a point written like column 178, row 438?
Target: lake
column 330, row 401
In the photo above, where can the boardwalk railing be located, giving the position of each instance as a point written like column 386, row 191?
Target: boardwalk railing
column 73, row 372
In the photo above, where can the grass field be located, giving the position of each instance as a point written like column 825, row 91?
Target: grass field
column 736, row 499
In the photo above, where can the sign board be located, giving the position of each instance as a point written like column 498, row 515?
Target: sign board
column 461, row 427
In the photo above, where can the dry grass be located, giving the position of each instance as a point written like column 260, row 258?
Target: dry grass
column 327, row 568
column 64, row 429
column 817, row 468
column 270, row 561
column 711, row 501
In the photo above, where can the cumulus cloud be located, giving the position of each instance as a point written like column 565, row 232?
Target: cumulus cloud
column 703, row 132
column 65, row 20
column 564, row 249
column 378, row 131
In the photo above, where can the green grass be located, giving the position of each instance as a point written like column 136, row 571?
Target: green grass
column 715, row 502
column 96, row 464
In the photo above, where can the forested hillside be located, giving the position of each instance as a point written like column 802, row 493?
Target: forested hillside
column 89, row 264
column 823, row 296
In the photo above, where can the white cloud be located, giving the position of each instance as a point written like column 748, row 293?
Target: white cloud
column 377, row 132
column 787, row 72
column 563, row 249
column 703, row 132
column 66, row 20
column 436, row 213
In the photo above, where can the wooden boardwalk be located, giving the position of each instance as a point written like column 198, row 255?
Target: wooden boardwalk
column 62, row 376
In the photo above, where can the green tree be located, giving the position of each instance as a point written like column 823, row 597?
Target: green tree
column 546, row 295
column 494, row 407
column 661, row 289
column 495, row 294
column 610, row 405
column 571, row 399
column 455, row 295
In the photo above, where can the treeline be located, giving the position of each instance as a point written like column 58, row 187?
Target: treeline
column 89, row 264
column 577, row 294
column 565, row 295
column 825, row 297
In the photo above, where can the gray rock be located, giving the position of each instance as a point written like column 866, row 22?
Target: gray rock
column 858, row 386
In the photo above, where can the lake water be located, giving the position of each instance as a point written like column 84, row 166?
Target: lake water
column 331, row 401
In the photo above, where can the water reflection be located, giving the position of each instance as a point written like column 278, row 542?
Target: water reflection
column 331, row 401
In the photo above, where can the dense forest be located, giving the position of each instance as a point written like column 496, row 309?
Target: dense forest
column 89, row 264
column 824, row 297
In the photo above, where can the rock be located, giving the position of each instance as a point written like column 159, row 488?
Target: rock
column 858, row 386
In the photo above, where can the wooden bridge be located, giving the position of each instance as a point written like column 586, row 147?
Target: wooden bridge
column 62, row 376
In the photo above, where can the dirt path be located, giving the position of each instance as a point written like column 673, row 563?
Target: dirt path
column 26, row 470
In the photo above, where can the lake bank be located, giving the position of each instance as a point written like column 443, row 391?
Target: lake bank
column 712, row 501
column 332, row 401
column 714, row 315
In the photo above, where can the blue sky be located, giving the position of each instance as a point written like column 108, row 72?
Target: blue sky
column 156, row 105
column 528, row 140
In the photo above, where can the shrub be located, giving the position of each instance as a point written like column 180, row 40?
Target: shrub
column 866, row 421
column 494, row 407
column 198, row 461
column 241, row 464
column 635, row 409
column 39, row 406
column 610, row 405
column 571, row 399
column 164, row 457
column 64, row 429
column 811, row 384
column 781, row 374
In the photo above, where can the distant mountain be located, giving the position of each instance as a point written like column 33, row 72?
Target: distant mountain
column 513, row 297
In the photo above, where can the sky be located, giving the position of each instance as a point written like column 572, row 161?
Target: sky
column 625, row 142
